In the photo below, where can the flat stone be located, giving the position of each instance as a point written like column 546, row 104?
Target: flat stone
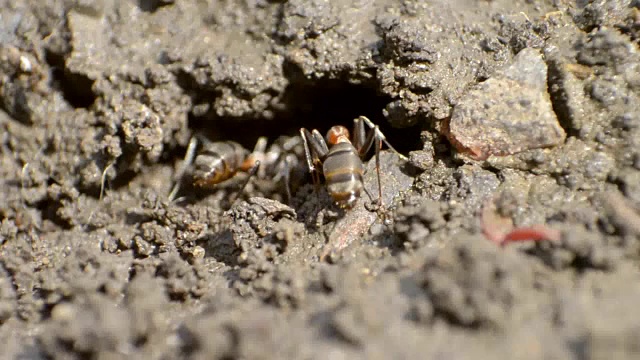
column 509, row 113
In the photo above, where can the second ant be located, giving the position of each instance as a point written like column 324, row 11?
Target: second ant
column 219, row 161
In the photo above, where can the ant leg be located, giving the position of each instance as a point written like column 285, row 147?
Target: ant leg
column 188, row 160
column 319, row 145
column 258, row 153
column 103, row 179
column 376, row 137
column 283, row 173
column 250, row 173
column 304, row 133
column 256, row 156
column 315, row 149
column 291, row 143
column 359, row 133
column 287, row 176
column 366, row 143
column 381, row 136
column 378, row 146
column 261, row 145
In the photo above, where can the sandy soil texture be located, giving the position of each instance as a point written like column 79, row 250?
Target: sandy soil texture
column 519, row 119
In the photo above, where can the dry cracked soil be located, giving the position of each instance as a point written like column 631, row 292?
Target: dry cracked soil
column 520, row 121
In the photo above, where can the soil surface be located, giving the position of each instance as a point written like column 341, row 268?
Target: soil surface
column 520, row 121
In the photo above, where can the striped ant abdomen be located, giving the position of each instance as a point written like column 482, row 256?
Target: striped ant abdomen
column 220, row 161
column 341, row 158
column 343, row 170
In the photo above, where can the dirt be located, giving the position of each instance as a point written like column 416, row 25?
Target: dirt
column 98, row 103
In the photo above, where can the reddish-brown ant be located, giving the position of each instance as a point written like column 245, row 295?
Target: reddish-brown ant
column 339, row 159
column 219, row 161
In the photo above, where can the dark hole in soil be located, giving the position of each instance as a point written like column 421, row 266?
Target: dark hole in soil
column 75, row 88
column 320, row 105
column 153, row 5
column 49, row 210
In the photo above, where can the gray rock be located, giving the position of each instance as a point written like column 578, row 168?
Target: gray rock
column 509, row 113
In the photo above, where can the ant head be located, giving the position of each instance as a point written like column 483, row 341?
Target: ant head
column 337, row 134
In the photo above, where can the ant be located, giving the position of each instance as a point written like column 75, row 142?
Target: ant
column 339, row 159
column 219, row 161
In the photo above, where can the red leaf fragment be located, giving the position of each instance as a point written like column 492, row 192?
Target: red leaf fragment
column 500, row 230
column 532, row 233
